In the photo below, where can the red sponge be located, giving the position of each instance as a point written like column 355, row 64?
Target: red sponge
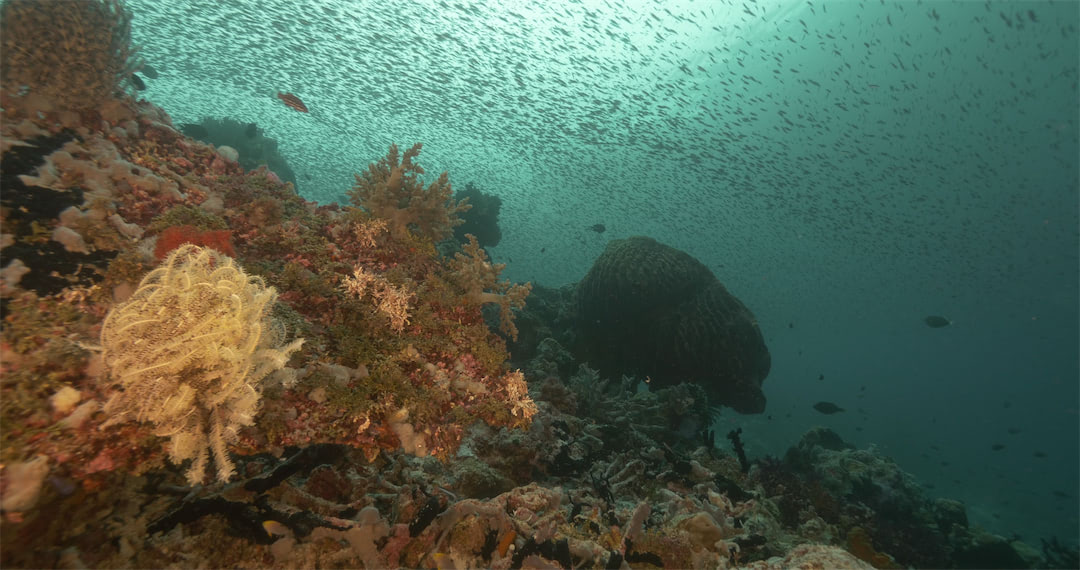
column 175, row 236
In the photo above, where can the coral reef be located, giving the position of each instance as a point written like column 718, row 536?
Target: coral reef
column 399, row 436
column 189, row 352
column 73, row 55
column 128, row 193
column 863, row 500
column 651, row 310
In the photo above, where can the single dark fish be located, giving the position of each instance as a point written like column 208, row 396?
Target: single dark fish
column 251, row 130
column 936, row 322
column 138, row 82
column 598, row 228
column 148, row 71
column 827, row 408
column 997, row 446
column 194, row 130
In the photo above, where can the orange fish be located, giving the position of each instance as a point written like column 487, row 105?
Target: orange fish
column 293, row 101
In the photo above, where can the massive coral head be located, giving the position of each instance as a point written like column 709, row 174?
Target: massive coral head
column 392, row 189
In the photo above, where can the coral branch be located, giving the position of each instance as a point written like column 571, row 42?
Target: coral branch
column 480, row 281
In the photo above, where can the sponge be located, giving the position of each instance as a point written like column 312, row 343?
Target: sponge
column 188, row 352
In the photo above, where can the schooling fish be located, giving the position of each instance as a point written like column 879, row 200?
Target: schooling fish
column 598, row 228
column 293, row 101
column 827, row 408
column 936, row 322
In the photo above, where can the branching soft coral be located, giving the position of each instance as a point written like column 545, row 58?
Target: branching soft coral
column 389, row 300
column 189, row 351
column 392, row 190
column 480, row 279
column 367, row 232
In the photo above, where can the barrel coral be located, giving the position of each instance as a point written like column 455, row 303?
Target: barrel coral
column 189, row 351
column 648, row 309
